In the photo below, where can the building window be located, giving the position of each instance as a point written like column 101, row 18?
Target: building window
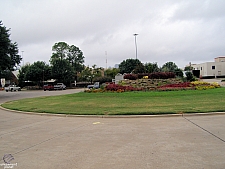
column 201, row 68
column 213, row 67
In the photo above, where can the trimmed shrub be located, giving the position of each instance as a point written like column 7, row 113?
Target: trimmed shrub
column 130, row 76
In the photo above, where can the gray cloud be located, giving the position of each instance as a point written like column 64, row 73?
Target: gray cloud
column 178, row 31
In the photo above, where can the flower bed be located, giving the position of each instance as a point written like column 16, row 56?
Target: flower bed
column 120, row 88
column 196, row 85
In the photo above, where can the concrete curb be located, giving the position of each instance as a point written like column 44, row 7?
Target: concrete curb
column 115, row 116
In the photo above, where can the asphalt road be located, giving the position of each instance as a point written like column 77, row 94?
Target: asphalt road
column 51, row 142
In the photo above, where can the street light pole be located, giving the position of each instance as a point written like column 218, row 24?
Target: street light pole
column 135, row 43
column 43, row 77
column 22, row 57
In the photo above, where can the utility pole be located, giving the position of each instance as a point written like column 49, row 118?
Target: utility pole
column 135, row 43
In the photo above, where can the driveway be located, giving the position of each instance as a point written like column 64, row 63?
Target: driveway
column 51, row 142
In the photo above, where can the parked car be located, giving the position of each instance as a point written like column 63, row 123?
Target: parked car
column 12, row 88
column 48, row 87
column 96, row 85
column 60, row 86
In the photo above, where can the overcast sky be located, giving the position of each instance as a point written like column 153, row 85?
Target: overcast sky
column 180, row 31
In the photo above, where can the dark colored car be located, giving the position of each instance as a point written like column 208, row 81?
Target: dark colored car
column 48, row 87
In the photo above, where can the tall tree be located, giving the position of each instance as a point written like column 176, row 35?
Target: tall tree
column 60, row 50
column 76, row 58
column 8, row 51
column 129, row 65
column 62, row 71
column 71, row 54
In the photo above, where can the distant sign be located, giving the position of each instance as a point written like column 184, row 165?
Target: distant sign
column 3, row 82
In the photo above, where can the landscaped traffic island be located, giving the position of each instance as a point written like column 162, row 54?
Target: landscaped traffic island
column 126, row 103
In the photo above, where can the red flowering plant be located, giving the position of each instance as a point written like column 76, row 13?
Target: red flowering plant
column 177, row 86
column 119, row 88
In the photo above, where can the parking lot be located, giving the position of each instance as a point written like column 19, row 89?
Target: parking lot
column 51, row 142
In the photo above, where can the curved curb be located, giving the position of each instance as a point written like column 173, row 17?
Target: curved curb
column 115, row 116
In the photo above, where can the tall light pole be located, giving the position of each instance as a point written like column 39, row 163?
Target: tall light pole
column 135, row 43
column 22, row 57
column 106, row 59
column 43, row 77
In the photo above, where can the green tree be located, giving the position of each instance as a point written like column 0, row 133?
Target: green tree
column 86, row 75
column 129, row 65
column 169, row 67
column 179, row 72
column 189, row 76
column 90, row 74
column 188, row 68
column 60, row 50
column 62, row 71
column 71, row 54
column 38, row 72
column 172, row 67
column 151, row 67
column 111, row 72
column 9, row 57
column 140, row 68
column 76, row 58
column 22, row 77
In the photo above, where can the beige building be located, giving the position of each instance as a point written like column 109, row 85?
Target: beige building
column 211, row 69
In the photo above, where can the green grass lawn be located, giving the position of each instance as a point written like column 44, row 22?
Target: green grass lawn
column 127, row 103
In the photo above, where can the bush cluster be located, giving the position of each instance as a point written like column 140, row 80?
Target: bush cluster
column 156, row 75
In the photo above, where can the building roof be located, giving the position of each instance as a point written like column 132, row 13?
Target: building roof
column 220, row 57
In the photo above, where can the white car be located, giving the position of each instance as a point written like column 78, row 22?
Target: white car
column 96, row 85
column 59, row 86
column 12, row 88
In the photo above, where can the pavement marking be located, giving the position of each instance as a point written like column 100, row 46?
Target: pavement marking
column 96, row 123
column 205, row 130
